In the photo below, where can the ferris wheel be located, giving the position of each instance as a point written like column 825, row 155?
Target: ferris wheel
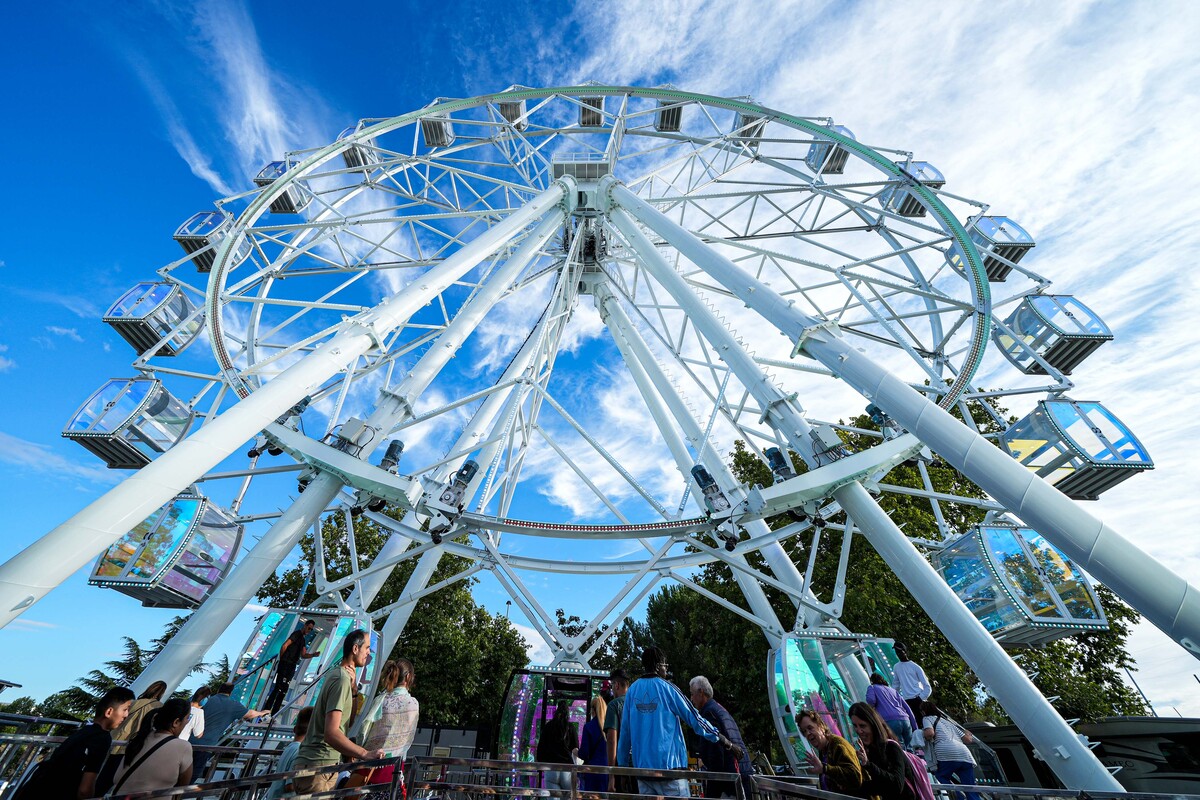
column 423, row 288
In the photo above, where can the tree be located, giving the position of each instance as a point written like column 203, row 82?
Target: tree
column 79, row 701
column 463, row 655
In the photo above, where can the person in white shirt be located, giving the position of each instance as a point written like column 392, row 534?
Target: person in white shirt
column 911, row 682
column 195, row 723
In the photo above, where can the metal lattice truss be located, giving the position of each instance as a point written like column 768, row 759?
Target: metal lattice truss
column 714, row 271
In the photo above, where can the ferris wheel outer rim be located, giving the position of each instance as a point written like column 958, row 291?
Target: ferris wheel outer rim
column 980, row 289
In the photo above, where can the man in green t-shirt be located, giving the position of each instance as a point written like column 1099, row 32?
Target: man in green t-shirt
column 612, row 730
column 326, row 741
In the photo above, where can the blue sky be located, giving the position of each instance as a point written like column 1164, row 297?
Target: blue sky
column 1075, row 119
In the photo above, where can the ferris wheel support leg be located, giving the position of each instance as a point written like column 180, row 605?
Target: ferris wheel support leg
column 1168, row 601
column 1056, row 741
column 751, row 590
column 33, row 572
column 397, row 405
column 642, row 363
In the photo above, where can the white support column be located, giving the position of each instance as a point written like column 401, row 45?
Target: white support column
column 751, row 590
column 484, row 418
column 427, row 368
column 207, row 623
column 638, row 357
column 1070, row 759
column 1168, row 601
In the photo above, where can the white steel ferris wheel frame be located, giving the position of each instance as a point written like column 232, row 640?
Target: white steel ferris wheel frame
column 680, row 246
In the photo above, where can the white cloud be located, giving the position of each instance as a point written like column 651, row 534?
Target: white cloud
column 535, row 646
column 34, row 457
column 6, row 363
column 26, row 624
column 66, row 333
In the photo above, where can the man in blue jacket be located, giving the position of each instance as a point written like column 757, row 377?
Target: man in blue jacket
column 650, row 734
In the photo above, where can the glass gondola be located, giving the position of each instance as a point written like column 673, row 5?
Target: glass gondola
column 826, row 672
column 1080, row 447
column 1021, row 587
column 529, row 701
column 898, row 199
column 129, row 421
column 829, row 158
column 1057, row 328
column 360, row 155
column 295, row 199
column 202, row 233
column 151, row 313
column 175, row 557
column 254, row 673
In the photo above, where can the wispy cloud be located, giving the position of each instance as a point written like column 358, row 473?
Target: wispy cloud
column 66, row 333
column 26, row 624
column 6, row 363
column 79, row 306
column 35, row 457
column 535, row 646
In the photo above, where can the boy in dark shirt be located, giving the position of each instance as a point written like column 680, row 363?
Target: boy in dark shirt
column 70, row 771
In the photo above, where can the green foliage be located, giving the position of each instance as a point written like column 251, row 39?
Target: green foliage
column 463, row 655
column 702, row 638
column 79, row 701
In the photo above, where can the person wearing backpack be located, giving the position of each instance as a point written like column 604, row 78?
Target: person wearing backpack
column 949, row 741
column 889, row 771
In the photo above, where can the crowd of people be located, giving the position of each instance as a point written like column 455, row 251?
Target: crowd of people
column 887, row 728
column 632, row 723
column 157, row 737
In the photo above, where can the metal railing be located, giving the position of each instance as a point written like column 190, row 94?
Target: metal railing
column 246, row 774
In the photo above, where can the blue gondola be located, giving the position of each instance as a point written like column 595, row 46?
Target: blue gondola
column 255, row 670
column 1023, row 590
column 175, row 557
column 1058, row 328
column 152, row 314
column 129, row 421
column 1080, row 447
column 824, row 671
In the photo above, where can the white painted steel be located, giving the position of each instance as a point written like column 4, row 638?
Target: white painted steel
column 1168, row 601
column 1070, row 759
column 29, row 575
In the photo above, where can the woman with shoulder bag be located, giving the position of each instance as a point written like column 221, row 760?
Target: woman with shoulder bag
column 156, row 757
column 949, row 741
